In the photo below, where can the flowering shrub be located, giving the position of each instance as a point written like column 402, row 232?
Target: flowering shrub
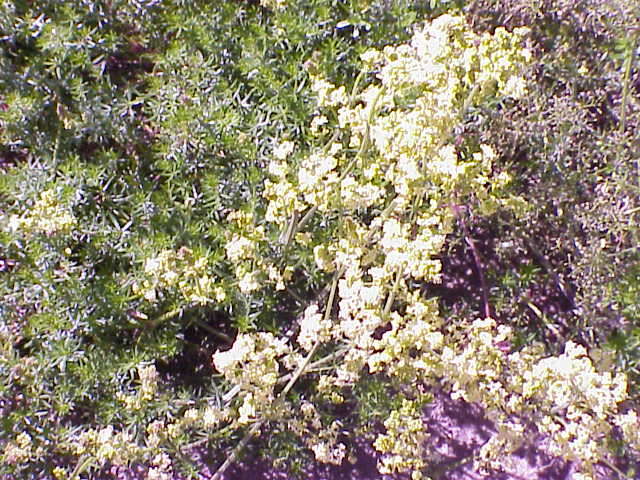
column 384, row 180
column 215, row 232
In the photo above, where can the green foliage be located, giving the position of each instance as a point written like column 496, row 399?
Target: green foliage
column 571, row 144
column 131, row 131
column 147, row 123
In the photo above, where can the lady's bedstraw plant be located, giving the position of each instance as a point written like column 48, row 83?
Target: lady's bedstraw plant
column 365, row 208
column 381, row 184
column 565, row 397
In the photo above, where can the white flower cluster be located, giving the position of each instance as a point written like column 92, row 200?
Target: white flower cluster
column 327, row 452
column 274, row 4
column 565, row 396
column 146, row 392
column 403, row 442
column 243, row 246
column 252, row 364
column 106, row 445
column 206, row 417
column 580, row 404
column 313, row 328
column 629, row 424
column 184, row 271
column 47, row 216
column 305, row 421
column 18, row 451
column 412, row 348
column 474, row 363
column 161, row 469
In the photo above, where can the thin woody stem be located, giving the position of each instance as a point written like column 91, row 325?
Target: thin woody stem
column 236, row 451
column 256, row 426
column 301, row 369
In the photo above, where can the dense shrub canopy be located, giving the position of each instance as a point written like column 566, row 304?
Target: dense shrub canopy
column 229, row 221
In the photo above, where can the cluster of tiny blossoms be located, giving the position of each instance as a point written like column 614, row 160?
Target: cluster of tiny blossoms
column 182, row 270
column 18, row 451
column 121, row 447
column 383, row 179
column 565, row 396
column 106, row 445
column 579, row 404
column 274, row 4
column 47, row 216
column 117, row 446
column 403, row 442
column 146, row 392
column 253, row 365
column 244, row 242
column 323, row 440
column 171, row 430
column 161, row 468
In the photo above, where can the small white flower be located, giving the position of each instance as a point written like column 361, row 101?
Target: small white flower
column 284, row 150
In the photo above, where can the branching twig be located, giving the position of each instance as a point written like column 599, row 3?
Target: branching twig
column 301, row 369
column 281, row 396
